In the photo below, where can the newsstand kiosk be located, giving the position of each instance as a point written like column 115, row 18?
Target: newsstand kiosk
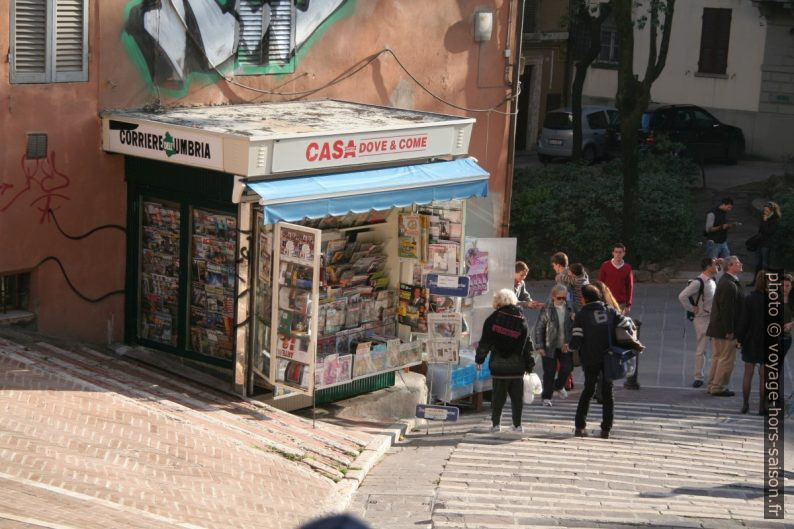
column 295, row 250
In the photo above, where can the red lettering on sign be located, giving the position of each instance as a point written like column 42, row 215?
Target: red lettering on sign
column 311, row 152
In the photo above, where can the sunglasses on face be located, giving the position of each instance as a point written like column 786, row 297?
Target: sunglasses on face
column 559, row 298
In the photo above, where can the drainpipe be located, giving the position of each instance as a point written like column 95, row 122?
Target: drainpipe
column 511, row 137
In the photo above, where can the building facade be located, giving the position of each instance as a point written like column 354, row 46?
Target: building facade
column 66, row 199
column 734, row 58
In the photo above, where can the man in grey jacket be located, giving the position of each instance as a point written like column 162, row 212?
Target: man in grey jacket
column 726, row 310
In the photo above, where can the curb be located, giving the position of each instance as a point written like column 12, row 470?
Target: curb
column 344, row 490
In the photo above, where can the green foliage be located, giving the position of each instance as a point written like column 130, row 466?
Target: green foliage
column 578, row 210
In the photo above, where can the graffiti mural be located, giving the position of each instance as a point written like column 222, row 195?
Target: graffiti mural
column 170, row 40
column 42, row 182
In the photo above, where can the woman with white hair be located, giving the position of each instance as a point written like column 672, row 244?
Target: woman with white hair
column 506, row 337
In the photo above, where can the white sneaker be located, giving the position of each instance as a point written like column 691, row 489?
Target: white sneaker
column 517, row 429
column 547, row 402
column 496, row 429
column 562, row 393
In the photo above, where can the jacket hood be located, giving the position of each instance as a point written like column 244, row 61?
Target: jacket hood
column 511, row 309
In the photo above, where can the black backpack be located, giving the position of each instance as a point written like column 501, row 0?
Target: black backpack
column 689, row 314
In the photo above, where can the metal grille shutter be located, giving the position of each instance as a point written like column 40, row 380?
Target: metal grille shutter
column 29, row 41
column 252, row 15
column 281, row 32
column 69, row 45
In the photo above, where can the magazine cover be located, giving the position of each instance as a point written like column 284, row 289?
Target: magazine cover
column 344, row 367
column 444, row 325
column 409, row 232
column 477, row 271
column 443, row 257
column 265, row 257
column 297, row 246
column 442, row 351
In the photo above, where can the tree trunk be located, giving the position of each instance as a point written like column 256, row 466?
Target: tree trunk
column 592, row 26
column 576, row 109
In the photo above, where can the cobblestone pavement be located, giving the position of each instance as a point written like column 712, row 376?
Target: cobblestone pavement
column 89, row 441
column 683, row 461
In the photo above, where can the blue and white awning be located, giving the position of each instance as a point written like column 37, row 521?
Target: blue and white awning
column 336, row 194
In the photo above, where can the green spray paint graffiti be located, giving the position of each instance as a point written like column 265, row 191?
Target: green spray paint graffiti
column 177, row 42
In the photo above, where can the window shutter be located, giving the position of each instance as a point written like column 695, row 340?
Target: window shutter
column 281, row 32
column 252, row 16
column 29, row 51
column 714, row 39
column 71, row 57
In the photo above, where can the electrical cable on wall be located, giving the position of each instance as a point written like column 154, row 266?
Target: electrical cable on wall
column 51, row 213
column 71, row 285
column 83, row 236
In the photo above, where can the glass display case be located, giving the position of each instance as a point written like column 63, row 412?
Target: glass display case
column 159, row 272
column 294, row 307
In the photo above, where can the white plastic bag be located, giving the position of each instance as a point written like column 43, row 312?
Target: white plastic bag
column 528, row 395
column 537, row 385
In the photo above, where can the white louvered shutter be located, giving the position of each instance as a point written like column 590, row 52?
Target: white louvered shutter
column 252, row 15
column 281, row 33
column 29, row 49
column 71, row 41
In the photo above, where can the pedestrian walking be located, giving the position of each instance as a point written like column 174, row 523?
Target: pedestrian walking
column 610, row 301
column 552, row 335
column 590, row 336
column 520, row 288
column 506, row 337
column 618, row 275
column 562, row 276
column 726, row 309
column 750, row 334
column 696, row 298
column 716, row 230
column 577, row 277
column 765, row 240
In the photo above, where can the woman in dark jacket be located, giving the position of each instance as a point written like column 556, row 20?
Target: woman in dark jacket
column 750, row 334
column 505, row 336
column 767, row 230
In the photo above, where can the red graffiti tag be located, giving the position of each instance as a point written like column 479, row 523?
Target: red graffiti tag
column 42, row 180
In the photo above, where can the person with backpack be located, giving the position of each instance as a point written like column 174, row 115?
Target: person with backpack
column 591, row 337
column 696, row 299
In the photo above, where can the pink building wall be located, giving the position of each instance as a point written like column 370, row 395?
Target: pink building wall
column 85, row 186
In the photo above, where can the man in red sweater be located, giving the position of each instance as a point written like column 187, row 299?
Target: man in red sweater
column 618, row 276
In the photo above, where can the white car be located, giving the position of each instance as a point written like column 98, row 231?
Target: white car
column 556, row 139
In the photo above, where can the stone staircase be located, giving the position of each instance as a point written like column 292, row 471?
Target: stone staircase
column 664, row 466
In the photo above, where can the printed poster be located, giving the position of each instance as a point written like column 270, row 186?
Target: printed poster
column 477, row 271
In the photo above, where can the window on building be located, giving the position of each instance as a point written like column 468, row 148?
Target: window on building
column 609, row 42
column 530, row 16
column 714, row 38
column 267, row 33
column 49, row 41
column 14, row 292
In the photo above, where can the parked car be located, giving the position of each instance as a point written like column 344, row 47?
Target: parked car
column 556, row 139
column 703, row 136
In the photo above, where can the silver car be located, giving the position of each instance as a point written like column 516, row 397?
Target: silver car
column 556, row 139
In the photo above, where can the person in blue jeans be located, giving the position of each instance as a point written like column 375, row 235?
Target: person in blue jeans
column 717, row 227
column 552, row 334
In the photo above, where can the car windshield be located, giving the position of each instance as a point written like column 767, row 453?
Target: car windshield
column 558, row 121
